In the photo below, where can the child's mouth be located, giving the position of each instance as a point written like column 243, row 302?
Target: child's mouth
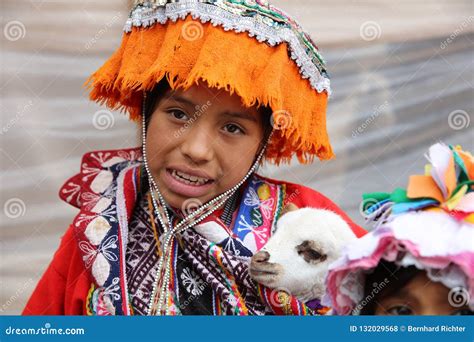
column 186, row 184
column 188, row 179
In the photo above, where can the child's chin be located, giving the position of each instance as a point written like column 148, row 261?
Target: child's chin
column 186, row 203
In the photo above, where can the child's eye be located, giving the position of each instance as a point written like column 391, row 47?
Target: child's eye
column 178, row 114
column 234, row 129
column 400, row 310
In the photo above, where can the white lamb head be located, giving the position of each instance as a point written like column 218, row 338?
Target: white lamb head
column 297, row 256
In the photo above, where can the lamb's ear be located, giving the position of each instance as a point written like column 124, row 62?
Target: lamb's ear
column 289, row 207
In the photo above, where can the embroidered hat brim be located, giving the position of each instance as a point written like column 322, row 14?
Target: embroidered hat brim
column 264, row 61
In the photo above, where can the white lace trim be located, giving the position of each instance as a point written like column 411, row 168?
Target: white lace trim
column 256, row 26
column 451, row 276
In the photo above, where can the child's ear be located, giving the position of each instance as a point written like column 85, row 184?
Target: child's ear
column 289, row 207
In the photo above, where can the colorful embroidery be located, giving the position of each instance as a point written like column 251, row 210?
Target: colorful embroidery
column 89, row 304
column 255, row 216
column 215, row 255
column 97, row 226
column 235, row 298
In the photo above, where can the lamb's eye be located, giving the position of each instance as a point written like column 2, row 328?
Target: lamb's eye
column 312, row 254
column 309, row 254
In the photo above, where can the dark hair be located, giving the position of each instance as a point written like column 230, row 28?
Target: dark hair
column 153, row 97
column 388, row 279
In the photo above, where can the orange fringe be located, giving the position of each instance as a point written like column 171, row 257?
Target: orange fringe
column 258, row 73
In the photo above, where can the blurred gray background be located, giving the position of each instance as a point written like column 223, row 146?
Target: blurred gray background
column 402, row 79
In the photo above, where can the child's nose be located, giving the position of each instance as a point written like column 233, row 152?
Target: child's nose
column 198, row 146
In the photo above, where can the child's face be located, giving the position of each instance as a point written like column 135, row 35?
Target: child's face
column 200, row 143
column 420, row 296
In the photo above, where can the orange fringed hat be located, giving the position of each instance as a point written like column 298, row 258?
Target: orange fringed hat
column 247, row 47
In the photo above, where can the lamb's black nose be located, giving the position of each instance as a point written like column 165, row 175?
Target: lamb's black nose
column 261, row 256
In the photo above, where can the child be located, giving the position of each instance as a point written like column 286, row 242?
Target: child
column 420, row 258
column 169, row 228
